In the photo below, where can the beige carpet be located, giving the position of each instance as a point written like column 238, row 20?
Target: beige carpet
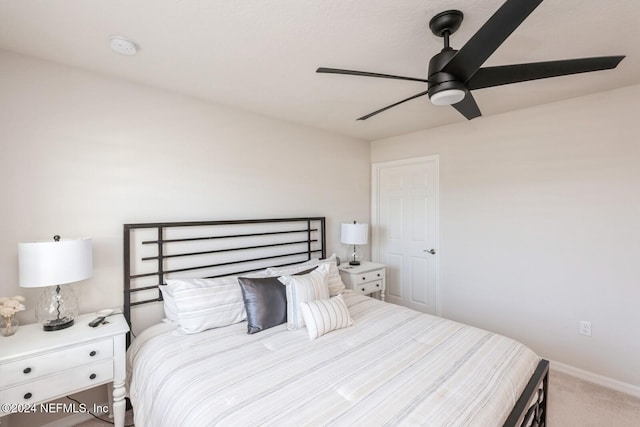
column 572, row 403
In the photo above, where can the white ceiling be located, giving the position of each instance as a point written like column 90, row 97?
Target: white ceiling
column 261, row 56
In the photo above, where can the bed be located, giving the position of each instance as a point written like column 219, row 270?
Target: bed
column 382, row 365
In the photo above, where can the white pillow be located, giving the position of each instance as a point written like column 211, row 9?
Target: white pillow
column 170, row 309
column 325, row 315
column 307, row 287
column 291, row 269
column 206, row 303
column 336, row 287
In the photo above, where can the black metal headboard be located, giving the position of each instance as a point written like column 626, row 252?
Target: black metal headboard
column 154, row 252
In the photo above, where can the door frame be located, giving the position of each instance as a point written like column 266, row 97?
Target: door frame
column 375, row 207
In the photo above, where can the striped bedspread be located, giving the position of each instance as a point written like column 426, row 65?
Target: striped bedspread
column 394, row 366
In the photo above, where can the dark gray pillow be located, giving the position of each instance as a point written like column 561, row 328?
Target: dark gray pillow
column 265, row 300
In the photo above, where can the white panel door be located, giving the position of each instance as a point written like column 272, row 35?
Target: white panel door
column 405, row 230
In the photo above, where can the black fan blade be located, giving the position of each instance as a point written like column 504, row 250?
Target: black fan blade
column 393, row 105
column 366, row 74
column 506, row 74
column 489, row 37
column 468, row 107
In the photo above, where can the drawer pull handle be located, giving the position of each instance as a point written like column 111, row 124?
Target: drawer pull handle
column 26, row 370
column 364, row 278
column 27, row 396
column 362, row 289
column 92, row 376
column 93, row 353
column 377, row 285
column 378, row 274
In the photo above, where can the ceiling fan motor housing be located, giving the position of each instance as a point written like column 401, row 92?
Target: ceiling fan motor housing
column 439, row 80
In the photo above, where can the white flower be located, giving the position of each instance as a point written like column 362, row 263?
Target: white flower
column 10, row 306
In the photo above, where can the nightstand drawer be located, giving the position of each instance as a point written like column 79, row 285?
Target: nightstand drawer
column 369, row 276
column 55, row 386
column 32, row 368
column 369, row 287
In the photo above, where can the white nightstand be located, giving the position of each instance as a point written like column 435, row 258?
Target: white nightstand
column 366, row 278
column 38, row 366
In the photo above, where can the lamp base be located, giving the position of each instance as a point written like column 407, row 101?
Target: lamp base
column 354, row 256
column 57, row 324
column 56, row 308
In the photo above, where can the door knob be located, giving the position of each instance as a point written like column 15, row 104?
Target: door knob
column 431, row 251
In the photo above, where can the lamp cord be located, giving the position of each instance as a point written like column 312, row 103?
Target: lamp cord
column 95, row 416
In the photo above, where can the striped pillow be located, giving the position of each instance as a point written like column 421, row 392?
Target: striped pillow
column 291, row 269
column 206, row 303
column 336, row 286
column 325, row 315
column 169, row 305
column 304, row 288
column 334, row 281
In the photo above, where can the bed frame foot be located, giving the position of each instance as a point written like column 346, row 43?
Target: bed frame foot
column 536, row 391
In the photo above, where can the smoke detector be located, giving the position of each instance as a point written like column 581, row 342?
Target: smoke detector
column 123, row 45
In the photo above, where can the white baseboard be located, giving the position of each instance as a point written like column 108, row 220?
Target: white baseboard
column 627, row 388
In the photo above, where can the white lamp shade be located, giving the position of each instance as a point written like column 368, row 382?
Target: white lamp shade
column 54, row 263
column 354, row 234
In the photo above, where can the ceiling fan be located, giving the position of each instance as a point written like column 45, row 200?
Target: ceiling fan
column 454, row 73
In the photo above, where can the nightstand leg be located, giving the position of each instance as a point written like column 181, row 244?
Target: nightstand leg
column 118, row 404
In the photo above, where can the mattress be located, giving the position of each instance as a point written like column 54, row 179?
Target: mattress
column 394, row 366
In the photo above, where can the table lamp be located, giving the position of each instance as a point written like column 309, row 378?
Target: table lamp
column 354, row 234
column 54, row 264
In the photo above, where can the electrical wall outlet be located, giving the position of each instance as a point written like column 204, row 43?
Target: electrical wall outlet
column 585, row 328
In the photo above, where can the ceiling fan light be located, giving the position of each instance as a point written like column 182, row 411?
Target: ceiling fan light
column 447, row 97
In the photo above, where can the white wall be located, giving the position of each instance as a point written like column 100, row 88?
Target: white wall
column 82, row 154
column 539, row 226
